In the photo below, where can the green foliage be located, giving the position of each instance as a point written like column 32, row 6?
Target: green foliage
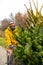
column 31, row 50
column 31, row 40
column 3, row 42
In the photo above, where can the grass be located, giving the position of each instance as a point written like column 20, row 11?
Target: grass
column 3, row 42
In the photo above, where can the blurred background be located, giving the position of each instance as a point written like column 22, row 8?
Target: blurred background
column 15, row 10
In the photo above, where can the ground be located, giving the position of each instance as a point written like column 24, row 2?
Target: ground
column 3, row 56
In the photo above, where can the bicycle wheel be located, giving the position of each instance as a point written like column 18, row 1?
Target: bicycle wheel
column 8, row 60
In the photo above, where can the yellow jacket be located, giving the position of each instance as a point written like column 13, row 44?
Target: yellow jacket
column 9, row 36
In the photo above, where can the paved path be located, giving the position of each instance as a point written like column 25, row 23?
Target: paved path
column 3, row 57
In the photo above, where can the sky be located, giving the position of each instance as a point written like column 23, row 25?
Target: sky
column 14, row 6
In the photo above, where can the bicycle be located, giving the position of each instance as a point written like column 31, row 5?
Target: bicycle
column 10, row 57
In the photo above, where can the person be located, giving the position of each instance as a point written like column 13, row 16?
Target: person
column 11, row 41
